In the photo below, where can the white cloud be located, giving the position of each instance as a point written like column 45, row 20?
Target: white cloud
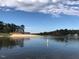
column 54, row 1
column 68, row 7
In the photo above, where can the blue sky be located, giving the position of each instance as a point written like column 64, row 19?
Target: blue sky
column 39, row 22
column 36, row 20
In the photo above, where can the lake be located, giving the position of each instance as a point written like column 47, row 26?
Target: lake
column 44, row 47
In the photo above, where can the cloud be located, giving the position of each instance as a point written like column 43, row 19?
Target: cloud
column 67, row 7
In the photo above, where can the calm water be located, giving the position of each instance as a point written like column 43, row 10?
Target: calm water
column 39, row 48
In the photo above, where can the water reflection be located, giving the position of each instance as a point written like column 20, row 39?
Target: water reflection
column 46, row 47
column 63, row 38
column 57, row 38
column 11, row 42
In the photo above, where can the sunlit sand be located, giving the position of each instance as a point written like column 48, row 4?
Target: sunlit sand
column 22, row 35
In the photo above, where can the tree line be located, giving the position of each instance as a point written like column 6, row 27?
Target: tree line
column 60, row 32
column 8, row 28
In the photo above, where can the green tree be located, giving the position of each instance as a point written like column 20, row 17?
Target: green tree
column 22, row 28
column 1, row 26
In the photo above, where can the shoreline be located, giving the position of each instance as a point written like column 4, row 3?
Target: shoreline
column 23, row 35
column 18, row 35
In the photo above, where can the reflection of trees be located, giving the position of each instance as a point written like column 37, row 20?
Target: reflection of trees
column 59, row 39
column 11, row 43
column 62, row 39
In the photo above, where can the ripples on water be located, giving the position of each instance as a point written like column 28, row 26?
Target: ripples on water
column 46, row 47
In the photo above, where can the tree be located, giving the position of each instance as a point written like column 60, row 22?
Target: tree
column 8, row 28
column 1, row 26
column 22, row 28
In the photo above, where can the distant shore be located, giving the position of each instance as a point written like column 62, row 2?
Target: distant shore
column 19, row 35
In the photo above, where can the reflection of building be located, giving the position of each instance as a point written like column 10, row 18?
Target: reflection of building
column 47, row 42
column 75, row 36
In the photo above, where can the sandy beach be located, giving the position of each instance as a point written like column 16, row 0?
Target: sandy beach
column 23, row 35
column 17, row 35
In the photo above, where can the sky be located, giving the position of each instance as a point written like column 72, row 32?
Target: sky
column 41, row 15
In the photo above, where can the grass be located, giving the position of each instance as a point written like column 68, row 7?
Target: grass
column 4, row 34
